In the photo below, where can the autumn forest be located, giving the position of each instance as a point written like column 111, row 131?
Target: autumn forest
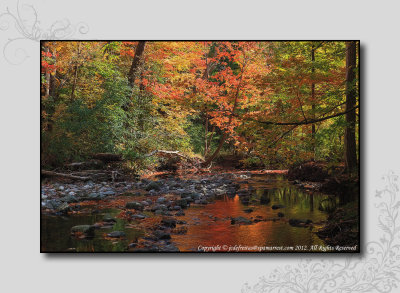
column 182, row 145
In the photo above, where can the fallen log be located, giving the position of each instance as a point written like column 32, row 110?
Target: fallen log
column 104, row 175
column 69, row 176
column 91, row 164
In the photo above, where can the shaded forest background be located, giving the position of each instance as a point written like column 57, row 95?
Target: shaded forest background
column 260, row 104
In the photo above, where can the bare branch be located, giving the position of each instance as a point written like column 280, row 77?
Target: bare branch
column 311, row 121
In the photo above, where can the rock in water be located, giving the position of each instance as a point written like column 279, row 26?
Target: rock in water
column 182, row 203
column 299, row 223
column 138, row 217
column 169, row 222
column 241, row 220
column 277, row 206
column 161, row 235
column 109, row 219
column 264, row 200
column 116, row 234
column 88, row 230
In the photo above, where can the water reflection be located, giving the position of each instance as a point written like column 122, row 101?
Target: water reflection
column 211, row 225
column 56, row 234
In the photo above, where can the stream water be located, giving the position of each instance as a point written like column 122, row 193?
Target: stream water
column 210, row 225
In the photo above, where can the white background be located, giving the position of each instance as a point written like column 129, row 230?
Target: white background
column 24, row 269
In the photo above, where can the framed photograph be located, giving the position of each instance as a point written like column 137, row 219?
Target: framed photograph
column 200, row 146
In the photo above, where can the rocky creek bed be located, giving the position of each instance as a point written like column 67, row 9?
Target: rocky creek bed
column 180, row 214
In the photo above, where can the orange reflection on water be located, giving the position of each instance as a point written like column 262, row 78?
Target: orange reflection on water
column 210, row 225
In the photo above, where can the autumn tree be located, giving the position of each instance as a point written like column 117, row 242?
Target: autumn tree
column 270, row 103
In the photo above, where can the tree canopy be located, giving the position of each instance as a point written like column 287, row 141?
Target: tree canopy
column 267, row 103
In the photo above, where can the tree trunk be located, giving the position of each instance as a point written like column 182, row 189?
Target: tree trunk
column 221, row 143
column 136, row 62
column 76, row 67
column 313, row 100
column 134, row 72
column 52, row 88
column 47, row 76
column 351, row 95
column 141, row 105
column 206, row 73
